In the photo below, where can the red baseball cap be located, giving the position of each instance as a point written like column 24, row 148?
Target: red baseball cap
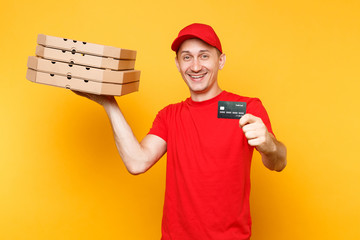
column 197, row 30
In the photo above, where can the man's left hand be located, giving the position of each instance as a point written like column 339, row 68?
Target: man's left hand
column 257, row 134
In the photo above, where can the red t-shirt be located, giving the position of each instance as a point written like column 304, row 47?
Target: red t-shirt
column 208, row 170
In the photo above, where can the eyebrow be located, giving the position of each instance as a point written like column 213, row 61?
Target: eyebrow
column 201, row 51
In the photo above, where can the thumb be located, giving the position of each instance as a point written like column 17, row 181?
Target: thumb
column 246, row 119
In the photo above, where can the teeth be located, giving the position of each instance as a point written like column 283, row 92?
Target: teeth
column 196, row 77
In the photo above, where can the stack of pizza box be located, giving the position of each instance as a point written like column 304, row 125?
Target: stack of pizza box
column 83, row 66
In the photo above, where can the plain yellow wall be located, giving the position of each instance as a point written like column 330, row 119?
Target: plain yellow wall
column 61, row 176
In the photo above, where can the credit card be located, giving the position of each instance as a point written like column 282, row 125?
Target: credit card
column 231, row 110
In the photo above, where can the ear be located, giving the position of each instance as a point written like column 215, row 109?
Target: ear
column 222, row 60
column 177, row 63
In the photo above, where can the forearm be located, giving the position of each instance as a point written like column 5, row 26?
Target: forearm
column 137, row 157
column 131, row 152
column 275, row 159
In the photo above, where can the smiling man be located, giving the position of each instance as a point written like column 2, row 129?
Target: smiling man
column 198, row 64
column 208, row 156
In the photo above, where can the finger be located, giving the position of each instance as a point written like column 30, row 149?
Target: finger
column 258, row 127
column 251, row 135
column 250, row 127
column 246, row 119
column 80, row 93
column 256, row 141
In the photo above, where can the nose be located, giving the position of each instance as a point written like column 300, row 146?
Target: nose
column 195, row 66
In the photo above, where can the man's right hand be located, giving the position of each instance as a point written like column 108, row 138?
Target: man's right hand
column 100, row 99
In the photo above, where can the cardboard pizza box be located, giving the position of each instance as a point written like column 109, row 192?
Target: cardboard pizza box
column 85, row 47
column 81, row 84
column 84, row 59
column 82, row 72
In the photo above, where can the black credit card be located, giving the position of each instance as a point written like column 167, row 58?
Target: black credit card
column 231, row 110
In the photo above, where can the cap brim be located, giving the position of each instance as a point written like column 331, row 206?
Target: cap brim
column 179, row 40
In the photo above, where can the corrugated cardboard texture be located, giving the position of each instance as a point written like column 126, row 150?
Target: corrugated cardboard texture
column 83, row 72
column 84, row 59
column 81, row 84
column 85, row 47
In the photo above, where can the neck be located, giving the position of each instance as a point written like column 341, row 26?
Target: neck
column 203, row 96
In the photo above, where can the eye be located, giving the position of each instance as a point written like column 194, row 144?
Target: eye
column 204, row 56
column 186, row 57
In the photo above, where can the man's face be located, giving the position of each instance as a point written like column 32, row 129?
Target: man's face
column 199, row 64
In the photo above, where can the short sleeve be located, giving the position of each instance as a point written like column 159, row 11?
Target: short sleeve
column 256, row 108
column 159, row 127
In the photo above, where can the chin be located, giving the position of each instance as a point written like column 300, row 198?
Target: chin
column 196, row 89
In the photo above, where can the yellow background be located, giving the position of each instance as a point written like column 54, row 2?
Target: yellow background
column 61, row 176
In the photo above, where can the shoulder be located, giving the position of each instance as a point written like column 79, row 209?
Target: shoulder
column 253, row 104
column 171, row 108
column 250, row 101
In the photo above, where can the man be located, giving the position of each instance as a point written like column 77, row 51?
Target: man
column 208, row 158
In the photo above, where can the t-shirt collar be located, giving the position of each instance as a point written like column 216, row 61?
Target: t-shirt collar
column 206, row 102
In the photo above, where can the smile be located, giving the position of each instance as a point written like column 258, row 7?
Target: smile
column 197, row 76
